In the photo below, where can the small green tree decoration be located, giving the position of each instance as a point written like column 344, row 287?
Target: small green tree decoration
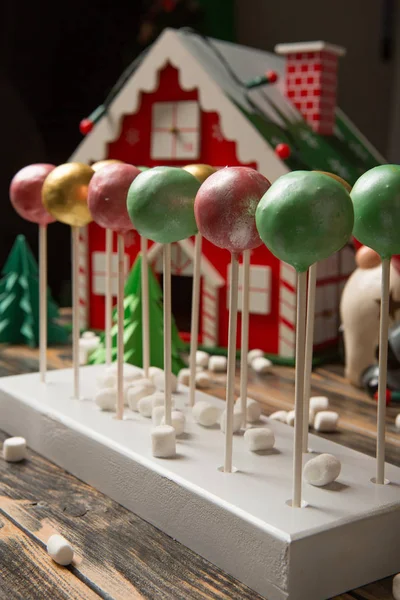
column 19, row 301
column 133, row 325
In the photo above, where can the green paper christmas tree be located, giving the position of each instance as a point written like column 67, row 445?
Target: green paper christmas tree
column 19, row 301
column 133, row 325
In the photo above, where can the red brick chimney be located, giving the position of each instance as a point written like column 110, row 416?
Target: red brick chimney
column 311, row 81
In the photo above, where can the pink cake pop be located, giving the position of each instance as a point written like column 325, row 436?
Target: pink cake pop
column 26, row 193
column 107, row 194
column 225, row 206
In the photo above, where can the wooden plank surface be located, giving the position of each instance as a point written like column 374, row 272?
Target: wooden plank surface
column 118, row 555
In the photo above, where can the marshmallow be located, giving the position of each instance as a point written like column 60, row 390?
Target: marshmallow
column 87, row 335
column 237, row 421
column 14, row 449
column 157, row 415
column 146, row 404
column 136, row 383
column 184, row 376
column 256, row 353
column 86, row 346
column 321, row 470
column 317, row 404
column 163, row 441
column 203, row 380
column 205, row 413
column 106, row 380
column 261, row 364
column 159, row 381
column 106, row 399
column 202, row 358
column 218, row 364
column 259, row 438
column 326, row 421
column 396, row 587
column 397, row 422
column 153, row 371
column 279, row 415
column 128, row 370
column 290, row 418
column 177, row 421
column 253, row 412
column 60, row 550
column 135, row 392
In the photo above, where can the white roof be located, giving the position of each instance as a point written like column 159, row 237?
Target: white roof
column 309, row 47
column 199, row 67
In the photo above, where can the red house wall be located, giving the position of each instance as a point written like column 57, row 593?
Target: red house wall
column 133, row 146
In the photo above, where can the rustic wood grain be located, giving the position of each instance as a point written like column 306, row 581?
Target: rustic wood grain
column 118, row 555
column 25, row 566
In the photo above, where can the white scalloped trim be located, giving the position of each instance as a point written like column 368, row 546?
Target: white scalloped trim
column 250, row 146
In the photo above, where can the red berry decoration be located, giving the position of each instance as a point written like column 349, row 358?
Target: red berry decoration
column 283, row 151
column 225, row 208
column 85, row 126
column 272, row 76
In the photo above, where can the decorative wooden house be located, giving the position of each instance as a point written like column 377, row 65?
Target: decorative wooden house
column 196, row 100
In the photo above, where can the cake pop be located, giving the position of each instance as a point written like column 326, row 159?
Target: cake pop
column 224, row 208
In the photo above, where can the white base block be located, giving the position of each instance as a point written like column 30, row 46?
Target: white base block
column 347, row 536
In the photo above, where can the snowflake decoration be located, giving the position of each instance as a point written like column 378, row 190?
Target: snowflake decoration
column 216, row 133
column 309, row 138
column 338, row 168
column 132, row 137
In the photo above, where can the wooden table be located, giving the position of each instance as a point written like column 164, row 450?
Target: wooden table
column 118, row 555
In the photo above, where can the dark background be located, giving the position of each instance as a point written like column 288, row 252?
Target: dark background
column 59, row 60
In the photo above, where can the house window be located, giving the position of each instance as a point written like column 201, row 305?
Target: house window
column 99, row 272
column 260, row 289
column 175, row 130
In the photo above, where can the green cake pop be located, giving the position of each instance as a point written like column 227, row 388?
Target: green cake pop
column 304, row 217
column 376, row 201
column 160, row 204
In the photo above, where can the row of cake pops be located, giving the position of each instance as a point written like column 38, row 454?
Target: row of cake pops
column 303, row 218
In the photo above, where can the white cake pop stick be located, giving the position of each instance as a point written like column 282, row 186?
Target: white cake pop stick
column 120, row 329
column 299, row 388
column 245, row 335
column 383, row 354
column 75, row 309
column 145, row 307
column 43, row 301
column 312, row 279
column 108, row 298
column 167, row 332
column 230, row 386
column 194, row 328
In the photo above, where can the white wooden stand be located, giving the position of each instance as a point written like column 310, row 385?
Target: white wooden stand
column 348, row 534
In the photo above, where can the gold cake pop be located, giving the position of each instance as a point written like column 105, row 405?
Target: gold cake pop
column 65, row 193
column 201, row 172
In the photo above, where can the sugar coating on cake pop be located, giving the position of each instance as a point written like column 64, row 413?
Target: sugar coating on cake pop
column 376, row 201
column 305, row 217
column 107, row 194
column 225, row 208
column 26, row 193
column 160, row 204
